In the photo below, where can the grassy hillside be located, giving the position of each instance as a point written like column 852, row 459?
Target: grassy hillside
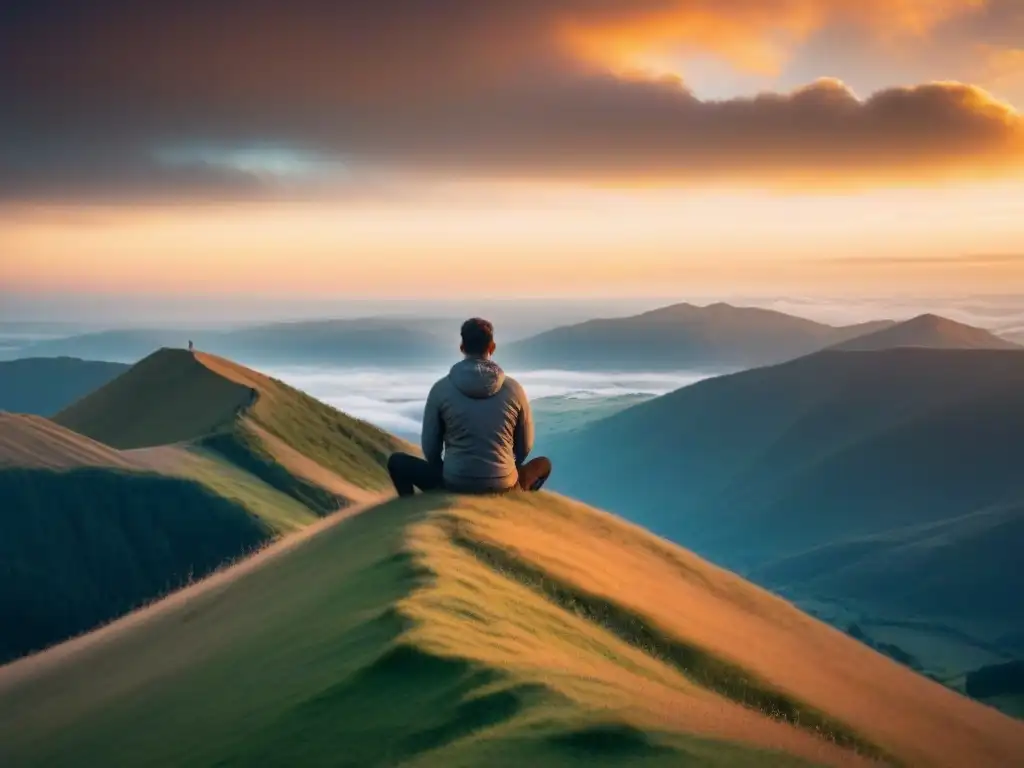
column 174, row 396
column 927, row 331
column 44, row 386
column 892, row 459
column 454, row 632
column 82, row 546
column 201, row 460
column 88, row 532
column 682, row 336
column 168, row 397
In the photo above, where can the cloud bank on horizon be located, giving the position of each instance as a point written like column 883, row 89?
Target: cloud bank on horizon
column 228, row 100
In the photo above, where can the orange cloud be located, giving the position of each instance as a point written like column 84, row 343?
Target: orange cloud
column 105, row 103
column 1003, row 67
column 756, row 35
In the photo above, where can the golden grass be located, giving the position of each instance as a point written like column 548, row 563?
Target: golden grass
column 34, row 442
column 475, row 611
column 573, row 613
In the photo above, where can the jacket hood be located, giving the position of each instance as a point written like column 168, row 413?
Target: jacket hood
column 477, row 378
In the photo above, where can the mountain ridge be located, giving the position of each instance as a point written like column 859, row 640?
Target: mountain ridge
column 713, row 337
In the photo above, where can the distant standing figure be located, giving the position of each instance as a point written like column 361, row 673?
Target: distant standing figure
column 477, row 429
column 191, row 347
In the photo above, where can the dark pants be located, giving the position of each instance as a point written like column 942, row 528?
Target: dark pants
column 411, row 472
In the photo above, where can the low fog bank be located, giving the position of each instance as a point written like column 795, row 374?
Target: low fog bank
column 393, row 399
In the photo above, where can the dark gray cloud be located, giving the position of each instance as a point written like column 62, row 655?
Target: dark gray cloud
column 97, row 93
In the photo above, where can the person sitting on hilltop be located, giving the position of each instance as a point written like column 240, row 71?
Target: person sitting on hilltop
column 477, row 429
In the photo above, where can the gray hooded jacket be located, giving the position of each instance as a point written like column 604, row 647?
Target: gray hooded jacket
column 481, row 419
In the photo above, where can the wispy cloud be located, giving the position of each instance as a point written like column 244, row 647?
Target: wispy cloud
column 965, row 260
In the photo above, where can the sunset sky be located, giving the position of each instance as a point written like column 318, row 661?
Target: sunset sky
column 429, row 148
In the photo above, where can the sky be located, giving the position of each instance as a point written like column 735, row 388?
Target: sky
column 431, row 149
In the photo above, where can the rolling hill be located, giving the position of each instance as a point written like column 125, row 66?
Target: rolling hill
column 927, row 331
column 448, row 631
column 44, row 386
column 888, row 481
column 164, row 474
column 682, row 336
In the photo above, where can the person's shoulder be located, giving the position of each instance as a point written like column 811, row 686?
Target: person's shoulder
column 439, row 387
column 514, row 389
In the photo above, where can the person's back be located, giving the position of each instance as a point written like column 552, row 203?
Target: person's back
column 477, row 428
column 481, row 417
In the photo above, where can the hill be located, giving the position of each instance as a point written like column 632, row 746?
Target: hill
column 446, row 631
column 871, row 478
column 251, row 419
column 682, row 336
column 927, row 331
column 44, row 386
column 86, row 533
column 178, row 466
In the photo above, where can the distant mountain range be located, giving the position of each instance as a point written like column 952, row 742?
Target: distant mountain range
column 718, row 337
column 888, row 479
column 44, row 386
column 723, row 337
column 682, row 336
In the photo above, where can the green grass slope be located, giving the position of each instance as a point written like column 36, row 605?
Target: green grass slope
column 201, row 461
column 44, row 386
column 447, row 631
column 88, row 532
column 82, row 546
column 168, row 397
column 173, row 396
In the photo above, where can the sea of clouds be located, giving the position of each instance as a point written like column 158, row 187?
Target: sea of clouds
column 393, row 399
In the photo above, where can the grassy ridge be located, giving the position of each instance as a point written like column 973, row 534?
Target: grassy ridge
column 387, row 640
column 80, row 547
column 306, row 662
column 349, row 447
column 696, row 663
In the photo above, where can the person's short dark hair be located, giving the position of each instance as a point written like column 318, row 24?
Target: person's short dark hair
column 477, row 335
